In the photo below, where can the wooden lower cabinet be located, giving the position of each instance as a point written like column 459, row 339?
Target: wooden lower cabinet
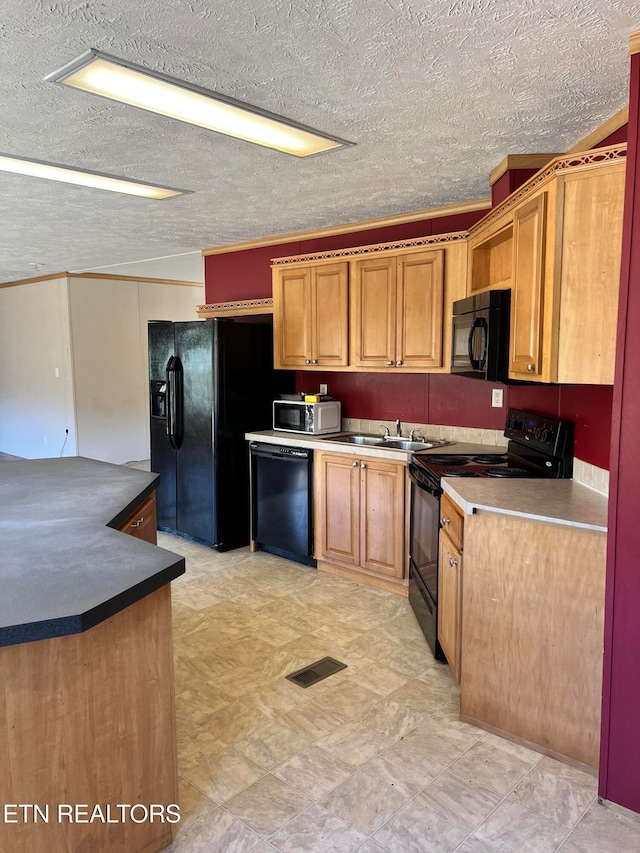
column 143, row 522
column 360, row 519
column 450, row 582
column 532, row 631
column 450, row 602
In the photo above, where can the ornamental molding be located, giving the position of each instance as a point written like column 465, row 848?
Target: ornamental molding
column 568, row 163
column 239, row 308
column 379, row 248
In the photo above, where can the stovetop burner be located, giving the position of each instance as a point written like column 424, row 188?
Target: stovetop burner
column 445, row 459
column 458, row 472
column 507, row 473
column 490, row 458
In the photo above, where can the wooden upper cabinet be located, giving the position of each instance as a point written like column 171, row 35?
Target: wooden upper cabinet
column 330, row 315
column 397, row 311
column 420, row 309
column 310, row 322
column 556, row 243
column 373, row 312
column 291, row 316
column 529, row 228
column 589, row 274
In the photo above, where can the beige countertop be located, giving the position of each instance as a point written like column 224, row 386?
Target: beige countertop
column 555, row 501
column 320, row 442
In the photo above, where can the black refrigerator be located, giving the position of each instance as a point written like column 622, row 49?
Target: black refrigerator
column 210, row 381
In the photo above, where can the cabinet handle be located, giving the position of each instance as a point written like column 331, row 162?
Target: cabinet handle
column 314, row 361
column 354, row 464
column 530, row 367
column 445, row 521
column 307, row 361
column 452, row 562
column 398, row 363
column 362, row 465
column 389, row 364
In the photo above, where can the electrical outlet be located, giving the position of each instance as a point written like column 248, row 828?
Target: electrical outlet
column 324, row 389
column 57, row 372
column 496, row 397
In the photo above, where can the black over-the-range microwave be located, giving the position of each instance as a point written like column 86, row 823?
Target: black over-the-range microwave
column 480, row 339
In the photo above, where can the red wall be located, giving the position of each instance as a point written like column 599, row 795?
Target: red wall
column 620, row 743
column 247, row 274
column 509, row 183
column 436, row 399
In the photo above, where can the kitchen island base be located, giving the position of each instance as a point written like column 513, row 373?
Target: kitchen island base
column 88, row 720
column 532, row 632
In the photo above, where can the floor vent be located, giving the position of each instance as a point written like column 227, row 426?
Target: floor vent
column 316, row 672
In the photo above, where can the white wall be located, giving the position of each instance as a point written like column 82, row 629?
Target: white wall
column 106, row 363
column 36, row 406
column 184, row 267
column 109, row 343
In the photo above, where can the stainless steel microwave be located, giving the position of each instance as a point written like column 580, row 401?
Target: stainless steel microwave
column 311, row 418
column 480, row 337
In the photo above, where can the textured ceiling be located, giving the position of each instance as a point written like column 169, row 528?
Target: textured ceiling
column 434, row 92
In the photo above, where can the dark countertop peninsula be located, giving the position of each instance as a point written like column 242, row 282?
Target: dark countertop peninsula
column 64, row 565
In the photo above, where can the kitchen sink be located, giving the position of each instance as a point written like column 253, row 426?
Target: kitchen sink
column 405, row 444
column 387, row 443
column 372, row 440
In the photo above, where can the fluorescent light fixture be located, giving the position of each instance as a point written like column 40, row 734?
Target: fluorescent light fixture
column 123, row 81
column 83, row 177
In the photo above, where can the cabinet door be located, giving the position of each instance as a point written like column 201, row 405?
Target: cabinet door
column 373, row 313
column 292, row 317
column 528, row 288
column 339, row 510
column 142, row 524
column 420, row 302
column 449, row 601
column 382, row 518
column 330, row 315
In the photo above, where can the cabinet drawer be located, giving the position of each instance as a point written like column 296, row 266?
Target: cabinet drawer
column 451, row 520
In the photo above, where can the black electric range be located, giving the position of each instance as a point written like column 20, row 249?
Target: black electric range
column 539, row 446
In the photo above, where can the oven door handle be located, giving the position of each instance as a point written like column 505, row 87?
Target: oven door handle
column 478, row 324
column 434, row 490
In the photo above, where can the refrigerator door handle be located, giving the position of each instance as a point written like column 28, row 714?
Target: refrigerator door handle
column 174, row 411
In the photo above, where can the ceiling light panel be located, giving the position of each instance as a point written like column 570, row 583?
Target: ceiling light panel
column 83, row 178
column 122, row 81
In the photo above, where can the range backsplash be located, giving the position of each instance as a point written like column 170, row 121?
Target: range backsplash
column 456, row 401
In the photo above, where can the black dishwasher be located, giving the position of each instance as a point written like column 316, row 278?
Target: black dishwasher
column 281, row 501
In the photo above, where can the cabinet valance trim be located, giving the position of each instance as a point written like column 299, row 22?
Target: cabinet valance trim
column 567, row 163
column 358, row 251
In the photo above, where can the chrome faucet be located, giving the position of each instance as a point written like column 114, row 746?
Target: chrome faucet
column 398, row 429
column 386, row 433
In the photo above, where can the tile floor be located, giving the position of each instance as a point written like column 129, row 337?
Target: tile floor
column 372, row 759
